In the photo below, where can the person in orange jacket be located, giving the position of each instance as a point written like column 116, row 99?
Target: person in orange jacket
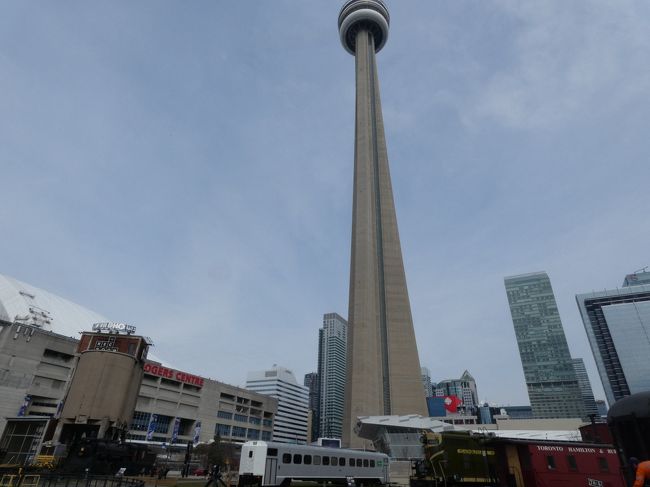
column 642, row 471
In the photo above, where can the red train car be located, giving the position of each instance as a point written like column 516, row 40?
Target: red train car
column 541, row 463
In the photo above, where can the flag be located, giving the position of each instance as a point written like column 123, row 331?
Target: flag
column 26, row 402
column 177, row 427
column 59, row 408
column 152, row 426
column 197, row 433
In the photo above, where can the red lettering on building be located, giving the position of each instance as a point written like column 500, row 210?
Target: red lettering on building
column 161, row 371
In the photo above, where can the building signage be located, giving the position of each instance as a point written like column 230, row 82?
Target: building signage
column 107, row 345
column 160, row 371
column 114, row 328
column 577, row 449
column 595, row 483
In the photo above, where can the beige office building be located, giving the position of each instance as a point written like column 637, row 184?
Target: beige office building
column 39, row 340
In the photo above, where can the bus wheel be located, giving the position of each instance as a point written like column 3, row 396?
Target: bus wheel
column 285, row 483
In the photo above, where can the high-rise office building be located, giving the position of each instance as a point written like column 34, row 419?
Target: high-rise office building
column 463, row 388
column 585, row 387
column 291, row 420
column 332, row 350
column 617, row 323
column 383, row 365
column 426, row 382
column 312, row 383
column 551, row 380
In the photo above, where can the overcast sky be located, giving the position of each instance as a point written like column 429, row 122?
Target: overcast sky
column 186, row 167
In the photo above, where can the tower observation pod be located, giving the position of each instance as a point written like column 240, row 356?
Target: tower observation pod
column 383, row 368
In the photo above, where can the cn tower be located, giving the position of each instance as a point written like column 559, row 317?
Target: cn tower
column 383, row 368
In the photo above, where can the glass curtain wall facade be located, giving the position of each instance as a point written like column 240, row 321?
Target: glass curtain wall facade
column 551, row 380
column 312, row 383
column 332, row 352
column 585, row 387
column 617, row 323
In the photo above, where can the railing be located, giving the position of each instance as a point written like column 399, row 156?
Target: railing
column 49, row 479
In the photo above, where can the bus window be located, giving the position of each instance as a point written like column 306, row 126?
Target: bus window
column 286, row 458
column 351, row 462
column 307, row 459
column 297, row 459
column 365, row 462
column 333, row 461
column 316, row 459
column 342, row 462
column 272, row 452
column 250, row 454
column 358, row 462
column 326, row 460
column 372, row 464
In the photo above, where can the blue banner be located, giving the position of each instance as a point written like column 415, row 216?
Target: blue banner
column 197, row 433
column 177, row 427
column 26, row 402
column 152, row 426
column 59, row 408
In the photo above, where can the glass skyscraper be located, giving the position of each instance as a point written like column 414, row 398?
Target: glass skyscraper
column 551, row 380
column 332, row 352
column 617, row 323
column 585, row 387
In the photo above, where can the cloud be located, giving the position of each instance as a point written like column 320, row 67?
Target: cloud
column 571, row 61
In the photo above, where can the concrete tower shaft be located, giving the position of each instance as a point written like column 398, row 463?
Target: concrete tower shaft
column 383, row 368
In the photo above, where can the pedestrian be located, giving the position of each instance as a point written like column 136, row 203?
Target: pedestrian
column 642, row 471
column 214, row 476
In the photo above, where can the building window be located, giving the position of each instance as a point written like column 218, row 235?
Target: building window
column 239, row 432
column 602, row 464
column 140, row 421
column 253, row 420
column 253, row 434
column 550, row 462
column 267, row 422
column 222, row 429
column 571, row 460
column 162, row 423
column 242, row 418
column 266, row 435
column 224, row 415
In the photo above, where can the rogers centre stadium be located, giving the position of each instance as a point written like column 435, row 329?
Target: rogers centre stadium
column 39, row 336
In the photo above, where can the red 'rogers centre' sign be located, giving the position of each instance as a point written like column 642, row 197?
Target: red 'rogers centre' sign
column 160, row 371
